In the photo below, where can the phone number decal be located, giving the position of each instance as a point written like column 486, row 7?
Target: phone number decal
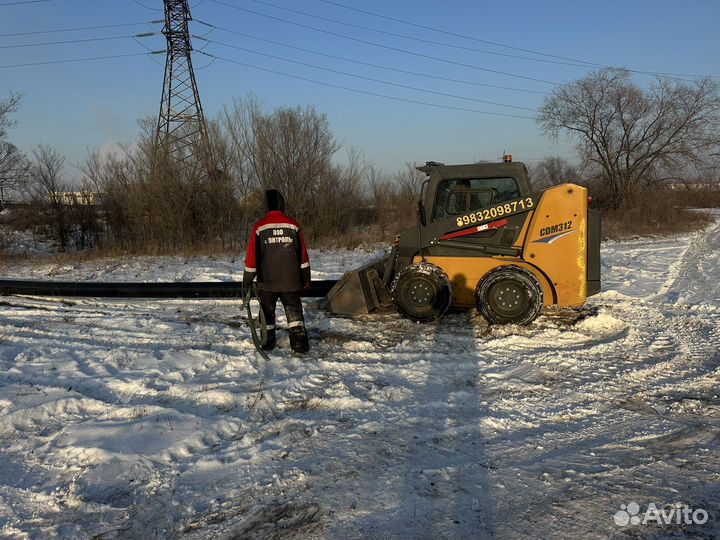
column 500, row 210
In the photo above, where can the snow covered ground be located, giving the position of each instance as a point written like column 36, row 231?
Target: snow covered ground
column 157, row 419
column 14, row 242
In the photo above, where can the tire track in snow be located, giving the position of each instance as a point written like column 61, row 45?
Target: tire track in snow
column 387, row 427
column 697, row 277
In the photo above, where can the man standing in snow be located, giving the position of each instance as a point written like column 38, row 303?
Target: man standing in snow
column 277, row 255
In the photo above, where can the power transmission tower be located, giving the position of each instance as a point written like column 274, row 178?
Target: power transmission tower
column 181, row 123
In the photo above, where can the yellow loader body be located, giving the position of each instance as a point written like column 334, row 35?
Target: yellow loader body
column 554, row 249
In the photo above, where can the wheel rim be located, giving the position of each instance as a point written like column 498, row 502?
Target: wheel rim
column 420, row 293
column 508, row 298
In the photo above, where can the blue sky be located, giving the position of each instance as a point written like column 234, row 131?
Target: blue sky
column 76, row 107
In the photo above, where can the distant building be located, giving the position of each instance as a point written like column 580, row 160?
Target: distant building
column 695, row 185
column 76, row 197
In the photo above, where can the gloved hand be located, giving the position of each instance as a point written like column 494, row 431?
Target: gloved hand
column 306, row 279
column 248, row 278
column 247, row 281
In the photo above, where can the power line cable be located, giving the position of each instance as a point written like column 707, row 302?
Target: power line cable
column 151, row 53
column 371, row 79
column 397, row 49
column 87, row 40
column 365, row 92
column 369, row 64
column 77, row 29
column 423, row 40
column 23, row 2
column 201, row 38
column 210, row 63
column 212, row 29
column 504, row 45
column 70, row 60
column 455, row 34
column 147, row 7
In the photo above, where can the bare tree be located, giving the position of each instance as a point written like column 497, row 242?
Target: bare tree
column 150, row 202
column 13, row 166
column 288, row 148
column 410, row 181
column 393, row 199
column 12, row 161
column 635, row 136
column 291, row 149
column 551, row 171
column 7, row 107
column 48, row 190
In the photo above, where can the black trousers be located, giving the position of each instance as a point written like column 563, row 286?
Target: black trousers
column 290, row 301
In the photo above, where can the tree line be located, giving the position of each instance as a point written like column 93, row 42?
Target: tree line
column 137, row 200
column 636, row 147
column 632, row 140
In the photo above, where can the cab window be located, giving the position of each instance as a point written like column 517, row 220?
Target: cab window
column 459, row 196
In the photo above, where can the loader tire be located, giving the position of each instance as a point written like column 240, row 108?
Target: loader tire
column 509, row 294
column 421, row 292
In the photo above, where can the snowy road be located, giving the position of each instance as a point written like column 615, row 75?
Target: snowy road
column 158, row 420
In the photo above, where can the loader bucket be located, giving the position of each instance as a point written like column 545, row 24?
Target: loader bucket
column 360, row 292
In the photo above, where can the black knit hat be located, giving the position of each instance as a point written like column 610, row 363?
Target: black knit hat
column 274, row 200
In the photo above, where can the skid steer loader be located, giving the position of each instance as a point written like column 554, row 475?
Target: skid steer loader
column 483, row 239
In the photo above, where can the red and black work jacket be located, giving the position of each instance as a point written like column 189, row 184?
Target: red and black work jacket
column 277, row 254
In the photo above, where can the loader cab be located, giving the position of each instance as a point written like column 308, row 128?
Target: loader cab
column 457, row 196
column 451, row 192
column 454, row 190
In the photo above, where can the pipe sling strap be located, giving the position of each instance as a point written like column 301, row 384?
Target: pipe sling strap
column 260, row 340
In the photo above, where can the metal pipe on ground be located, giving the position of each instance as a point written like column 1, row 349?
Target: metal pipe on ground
column 204, row 289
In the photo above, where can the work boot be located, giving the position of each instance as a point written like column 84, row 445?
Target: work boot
column 299, row 340
column 270, row 342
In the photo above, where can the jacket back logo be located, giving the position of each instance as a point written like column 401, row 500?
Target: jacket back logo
column 279, row 237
